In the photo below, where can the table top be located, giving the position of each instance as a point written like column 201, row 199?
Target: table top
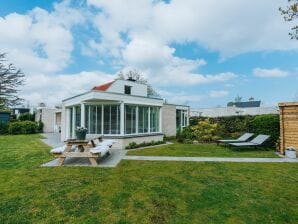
column 76, row 141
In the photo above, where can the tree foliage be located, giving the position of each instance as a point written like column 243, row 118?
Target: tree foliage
column 290, row 13
column 136, row 76
column 10, row 79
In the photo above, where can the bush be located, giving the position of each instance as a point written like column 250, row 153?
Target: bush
column 3, row 128
column 268, row 125
column 26, row 117
column 40, row 127
column 205, row 131
column 229, row 126
column 185, row 134
column 22, row 127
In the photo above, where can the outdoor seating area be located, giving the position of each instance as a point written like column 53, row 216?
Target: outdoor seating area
column 243, row 141
column 93, row 150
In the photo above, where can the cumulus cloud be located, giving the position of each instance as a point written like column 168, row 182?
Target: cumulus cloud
column 53, row 89
column 270, row 73
column 229, row 27
column 40, row 41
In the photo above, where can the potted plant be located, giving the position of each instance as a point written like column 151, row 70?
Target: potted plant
column 291, row 152
column 81, row 133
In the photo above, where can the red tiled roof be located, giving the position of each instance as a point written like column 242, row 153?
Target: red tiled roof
column 103, row 87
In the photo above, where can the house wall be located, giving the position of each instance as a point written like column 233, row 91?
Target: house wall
column 288, row 126
column 136, row 90
column 169, row 120
column 47, row 116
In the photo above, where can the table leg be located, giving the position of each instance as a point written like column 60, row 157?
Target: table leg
column 61, row 161
column 93, row 161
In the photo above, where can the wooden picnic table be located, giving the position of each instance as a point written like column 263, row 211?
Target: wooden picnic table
column 83, row 151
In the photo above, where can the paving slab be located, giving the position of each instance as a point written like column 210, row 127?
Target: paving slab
column 211, row 159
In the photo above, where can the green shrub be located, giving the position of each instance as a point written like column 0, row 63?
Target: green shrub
column 26, row 117
column 22, row 127
column 40, row 127
column 268, row 125
column 205, row 131
column 3, row 128
column 185, row 134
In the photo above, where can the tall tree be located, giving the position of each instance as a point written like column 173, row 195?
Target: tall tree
column 11, row 79
column 290, row 13
column 136, row 76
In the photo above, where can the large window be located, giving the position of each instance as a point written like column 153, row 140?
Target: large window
column 78, row 117
column 93, row 119
column 154, row 119
column 111, row 119
column 143, row 119
column 181, row 118
column 110, row 123
column 130, row 119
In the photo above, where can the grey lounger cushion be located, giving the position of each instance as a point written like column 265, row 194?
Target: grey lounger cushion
column 242, row 138
column 259, row 140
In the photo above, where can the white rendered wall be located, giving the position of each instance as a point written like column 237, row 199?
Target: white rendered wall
column 136, row 90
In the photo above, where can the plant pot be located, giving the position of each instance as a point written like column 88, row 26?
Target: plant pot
column 290, row 153
column 81, row 135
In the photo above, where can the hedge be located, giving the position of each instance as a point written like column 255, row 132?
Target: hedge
column 266, row 124
column 234, row 126
column 22, row 127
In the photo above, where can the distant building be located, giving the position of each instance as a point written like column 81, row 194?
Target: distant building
column 245, row 104
column 50, row 117
column 232, row 111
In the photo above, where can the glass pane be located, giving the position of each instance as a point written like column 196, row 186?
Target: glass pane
column 87, row 118
column 78, row 116
column 154, row 119
column 92, row 126
column 98, row 118
column 130, row 119
column 115, row 119
column 107, row 118
column 143, row 119
column 70, row 123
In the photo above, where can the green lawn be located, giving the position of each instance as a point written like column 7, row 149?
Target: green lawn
column 141, row 191
column 205, row 150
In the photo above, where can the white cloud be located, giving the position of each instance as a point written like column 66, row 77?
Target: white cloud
column 53, row 89
column 218, row 93
column 270, row 73
column 40, row 41
column 229, row 27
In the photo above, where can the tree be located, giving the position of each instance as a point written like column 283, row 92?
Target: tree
column 10, row 79
column 135, row 75
column 290, row 13
column 238, row 99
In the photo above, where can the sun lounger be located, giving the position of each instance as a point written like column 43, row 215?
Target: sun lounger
column 242, row 138
column 257, row 141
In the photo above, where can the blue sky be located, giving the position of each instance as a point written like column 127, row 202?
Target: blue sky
column 192, row 51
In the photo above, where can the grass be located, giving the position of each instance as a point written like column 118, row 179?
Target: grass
column 141, row 191
column 204, row 150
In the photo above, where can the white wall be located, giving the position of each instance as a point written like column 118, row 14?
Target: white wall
column 136, row 90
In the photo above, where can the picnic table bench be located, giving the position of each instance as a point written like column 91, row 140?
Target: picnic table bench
column 83, row 151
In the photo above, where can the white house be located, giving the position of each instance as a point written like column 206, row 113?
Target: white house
column 122, row 110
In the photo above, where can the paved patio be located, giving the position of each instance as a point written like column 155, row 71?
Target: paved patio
column 53, row 140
